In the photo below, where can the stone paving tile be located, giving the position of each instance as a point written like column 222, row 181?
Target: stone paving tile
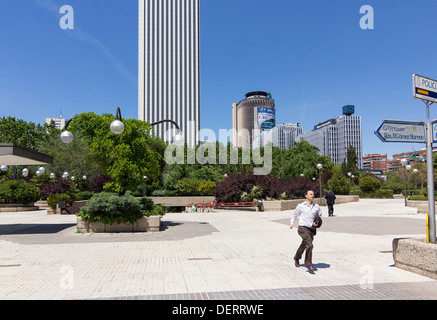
column 385, row 291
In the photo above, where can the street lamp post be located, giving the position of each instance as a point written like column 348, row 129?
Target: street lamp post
column 117, row 127
column 415, row 171
column 404, row 162
column 408, row 167
column 319, row 167
column 178, row 140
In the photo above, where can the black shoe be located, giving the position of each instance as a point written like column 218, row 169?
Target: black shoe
column 296, row 263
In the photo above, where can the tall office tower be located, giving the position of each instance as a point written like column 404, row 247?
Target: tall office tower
column 349, row 133
column 169, row 67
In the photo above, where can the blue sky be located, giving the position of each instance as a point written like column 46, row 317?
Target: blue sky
column 311, row 55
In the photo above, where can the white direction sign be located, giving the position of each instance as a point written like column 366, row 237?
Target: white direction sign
column 424, row 88
column 434, row 130
column 402, row 131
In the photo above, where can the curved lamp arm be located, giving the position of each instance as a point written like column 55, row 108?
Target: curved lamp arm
column 162, row 121
column 178, row 139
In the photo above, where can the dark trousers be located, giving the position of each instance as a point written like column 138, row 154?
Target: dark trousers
column 307, row 235
column 330, row 209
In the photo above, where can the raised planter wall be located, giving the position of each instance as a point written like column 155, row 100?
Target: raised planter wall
column 145, row 224
column 181, row 201
column 292, row 204
column 416, row 255
column 17, row 207
column 422, row 206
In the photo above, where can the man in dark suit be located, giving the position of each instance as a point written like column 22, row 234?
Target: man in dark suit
column 330, row 201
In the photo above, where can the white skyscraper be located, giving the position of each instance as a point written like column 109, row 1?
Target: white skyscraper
column 169, row 66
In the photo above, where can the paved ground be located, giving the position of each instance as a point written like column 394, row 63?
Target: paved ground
column 231, row 255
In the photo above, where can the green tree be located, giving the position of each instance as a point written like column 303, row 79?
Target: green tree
column 73, row 157
column 22, row 133
column 127, row 157
column 302, row 159
column 350, row 164
column 338, row 183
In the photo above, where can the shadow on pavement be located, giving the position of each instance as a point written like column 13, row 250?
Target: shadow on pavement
column 22, row 229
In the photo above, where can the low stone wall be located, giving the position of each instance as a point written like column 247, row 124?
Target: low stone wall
column 292, row 204
column 422, row 206
column 181, row 201
column 416, row 255
column 145, row 224
column 17, row 207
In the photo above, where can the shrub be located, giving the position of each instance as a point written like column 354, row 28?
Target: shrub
column 369, row 184
column 254, row 194
column 99, row 182
column 157, row 210
column 109, row 208
column 232, row 188
column 195, row 187
column 397, row 187
column 384, row 193
column 55, row 198
column 418, row 198
column 84, row 195
column 339, row 184
column 18, row 191
column 55, row 187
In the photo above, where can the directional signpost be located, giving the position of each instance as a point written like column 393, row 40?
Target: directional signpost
column 425, row 89
column 434, row 130
column 401, row 131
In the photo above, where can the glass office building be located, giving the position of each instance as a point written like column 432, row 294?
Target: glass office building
column 334, row 136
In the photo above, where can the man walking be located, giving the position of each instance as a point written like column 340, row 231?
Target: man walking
column 307, row 212
column 330, row 201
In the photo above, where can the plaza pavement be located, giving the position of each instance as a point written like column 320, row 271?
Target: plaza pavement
column 231, row 255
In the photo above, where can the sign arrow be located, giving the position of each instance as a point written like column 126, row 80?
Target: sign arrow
column 401, row 131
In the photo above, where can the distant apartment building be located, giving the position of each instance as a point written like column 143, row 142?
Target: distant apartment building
column 334, row 136
column 59, row 122
column 386, row 164
column 413, row 156
column 375, row 162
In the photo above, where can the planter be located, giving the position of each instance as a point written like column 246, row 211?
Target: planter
column 17, row 207
column 292, row 204
column 416, row 255
column 144, row 224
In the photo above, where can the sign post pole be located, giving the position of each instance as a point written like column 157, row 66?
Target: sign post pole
column 425, row 89
column 430, row 175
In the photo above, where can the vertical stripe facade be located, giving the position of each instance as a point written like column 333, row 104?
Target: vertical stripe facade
column 169, row 66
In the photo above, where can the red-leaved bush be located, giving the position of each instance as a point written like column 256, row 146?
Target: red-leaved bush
column 57, row 186
column 230, row 189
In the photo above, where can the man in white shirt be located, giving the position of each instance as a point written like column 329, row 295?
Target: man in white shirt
column 307, row 213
